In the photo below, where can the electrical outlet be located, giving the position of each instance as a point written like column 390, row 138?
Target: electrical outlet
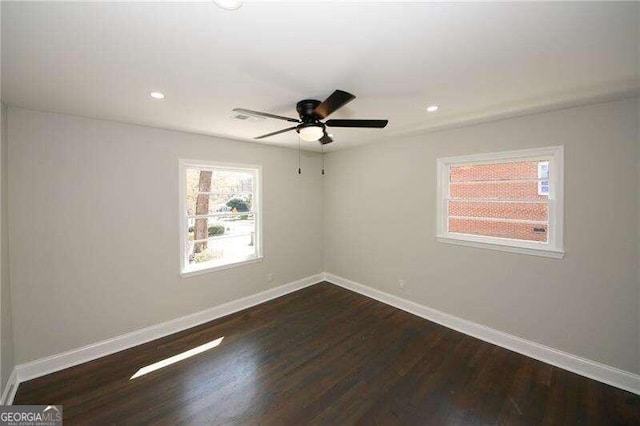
column 269, row 277
column 401, row 284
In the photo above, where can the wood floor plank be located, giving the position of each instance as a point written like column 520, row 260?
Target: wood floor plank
column 325, row 355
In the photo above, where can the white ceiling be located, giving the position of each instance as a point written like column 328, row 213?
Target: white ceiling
column 474, row 60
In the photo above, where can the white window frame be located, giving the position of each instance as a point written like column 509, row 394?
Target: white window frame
column 187, row 270
column 554, row 247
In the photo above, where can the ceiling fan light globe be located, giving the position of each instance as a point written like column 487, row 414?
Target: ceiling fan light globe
column 311, row 133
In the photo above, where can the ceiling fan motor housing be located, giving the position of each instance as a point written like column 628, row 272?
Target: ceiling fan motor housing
column 305, row 109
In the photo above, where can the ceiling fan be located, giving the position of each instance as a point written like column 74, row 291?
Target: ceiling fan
column 311, row 111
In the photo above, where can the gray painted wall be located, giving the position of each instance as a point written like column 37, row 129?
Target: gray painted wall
column 6, row 329
column 380, row 221
column 93, row 213
column 83, row 187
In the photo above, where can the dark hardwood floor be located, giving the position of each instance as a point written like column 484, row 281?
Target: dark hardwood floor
column 324, row 355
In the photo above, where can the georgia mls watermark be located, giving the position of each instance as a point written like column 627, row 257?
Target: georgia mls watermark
column 30, row 415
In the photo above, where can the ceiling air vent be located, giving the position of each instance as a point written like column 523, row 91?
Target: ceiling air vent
column 246, row 117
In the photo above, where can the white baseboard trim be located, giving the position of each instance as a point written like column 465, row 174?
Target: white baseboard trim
column 10, row 389
column 585, row 367
column 57, row 362
column 582, row 366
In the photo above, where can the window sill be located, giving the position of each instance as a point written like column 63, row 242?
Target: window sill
column 193, row 272
column 555, row 254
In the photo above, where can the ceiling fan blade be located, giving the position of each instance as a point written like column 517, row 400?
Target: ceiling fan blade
column 276, row 133
column 373, row 124
column 266, row 114
column 335, row 101
column 325, row 139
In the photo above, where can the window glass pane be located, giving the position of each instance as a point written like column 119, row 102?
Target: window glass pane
column 227, row 231
column 495, row 171
column 543, row 173
column 543, row 187
column 240, row 247
column 192, row 181
column 201, row 253
column 518, row 231
column 219, row 203
column 210, row 191
column 502, row 199
column 200, row 229
column 230, row 238
column 543, row 170
column 506, row 190
column 222, row 250
column 236, row 203
column 221, row 226
column 232, row 181
column 515, row 211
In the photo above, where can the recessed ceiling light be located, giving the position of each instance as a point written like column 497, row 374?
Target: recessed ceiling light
column 156, row 95
column 229, row 4
column 432, row 108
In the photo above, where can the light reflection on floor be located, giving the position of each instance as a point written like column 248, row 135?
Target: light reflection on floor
column 176, row 358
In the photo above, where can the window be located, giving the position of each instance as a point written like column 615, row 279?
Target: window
column 509, row 201
column 543, row 176
column 220, row 215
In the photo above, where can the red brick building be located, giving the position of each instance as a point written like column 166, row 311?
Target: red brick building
column 507, row 200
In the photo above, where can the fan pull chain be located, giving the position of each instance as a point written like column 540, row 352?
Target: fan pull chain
column 322, row 150
column 299, row 169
